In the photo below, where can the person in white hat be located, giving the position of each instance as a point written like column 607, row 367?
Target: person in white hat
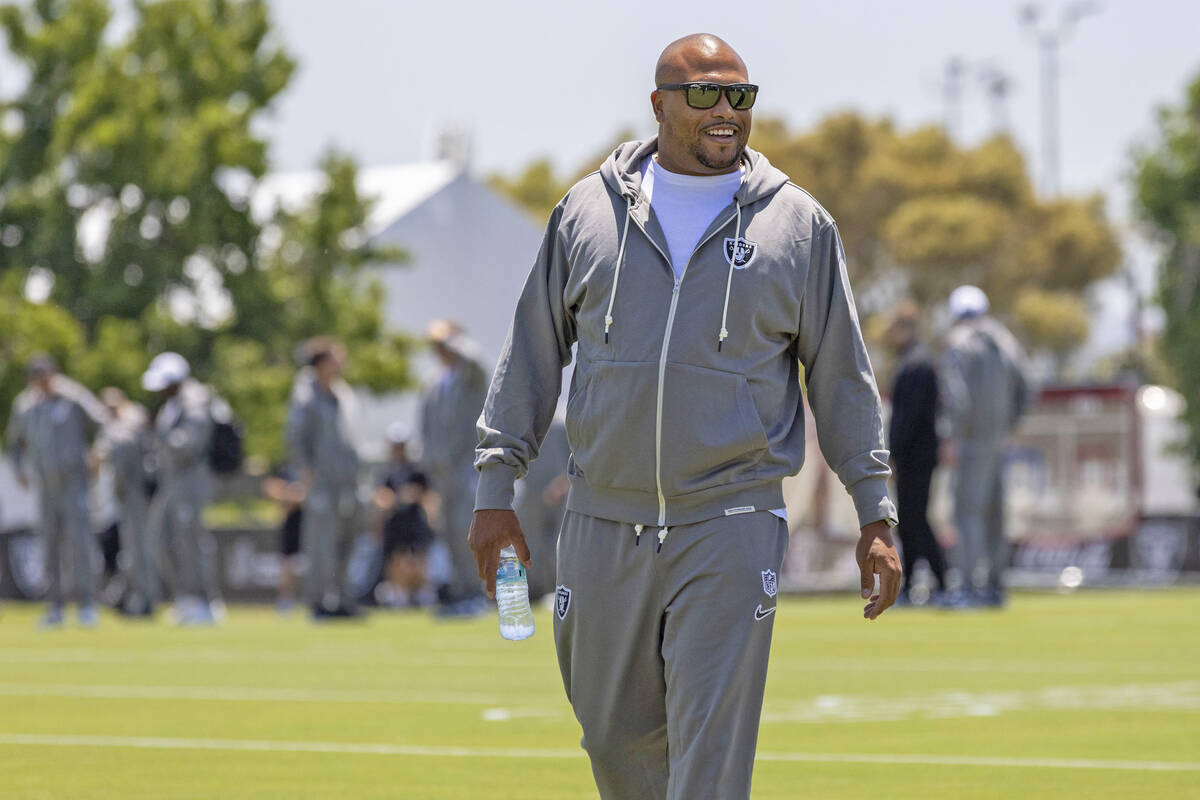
column 183, row 432
column 984, row 392
column 52, row 422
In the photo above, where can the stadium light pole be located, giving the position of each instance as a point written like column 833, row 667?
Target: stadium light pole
column 952, row 90
column 1049, row 37
column 997, row 84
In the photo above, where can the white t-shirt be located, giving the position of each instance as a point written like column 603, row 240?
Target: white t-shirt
column 685, row 206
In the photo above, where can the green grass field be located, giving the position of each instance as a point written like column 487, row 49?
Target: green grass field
column 1093, row 695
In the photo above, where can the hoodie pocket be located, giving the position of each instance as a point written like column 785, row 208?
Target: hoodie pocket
column 711, row 431
column 610, row 425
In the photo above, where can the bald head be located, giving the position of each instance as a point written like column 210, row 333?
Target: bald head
column 695, row 54
column 705, row 138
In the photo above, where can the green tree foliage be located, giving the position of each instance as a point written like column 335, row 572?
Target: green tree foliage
column 134, row 150
column 126, row 172
column 917, row 206
column 1167, row 181
column 914, row 207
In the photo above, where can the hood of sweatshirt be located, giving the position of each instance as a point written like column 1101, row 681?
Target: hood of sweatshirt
column 623, row 174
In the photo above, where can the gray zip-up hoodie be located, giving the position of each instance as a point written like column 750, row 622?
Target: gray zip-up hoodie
column 183, row 430
column 320, row 430
column 984, row 390
column 49, row 435
column 686, row 401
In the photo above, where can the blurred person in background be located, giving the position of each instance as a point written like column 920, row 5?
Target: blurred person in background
column 182, row 435
column 984, row 393
column 541, row 504
column 685, row 415
column 402, row 500
column 123, row 447
column 285, row 488
column 104, row 516
column 52, row 425
column 321, row 441
column 913, row 442
column 449, row 411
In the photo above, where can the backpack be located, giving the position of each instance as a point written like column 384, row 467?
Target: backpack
column 225, row 448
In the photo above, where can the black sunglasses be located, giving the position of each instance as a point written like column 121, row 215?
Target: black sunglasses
column 706, row 95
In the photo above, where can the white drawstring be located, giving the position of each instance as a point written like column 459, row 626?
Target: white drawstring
column 737, row 233
column 612, row 299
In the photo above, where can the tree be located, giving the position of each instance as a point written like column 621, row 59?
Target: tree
column 915, row 208
column 1167, row 183
column 126, row 173
column 128, row 187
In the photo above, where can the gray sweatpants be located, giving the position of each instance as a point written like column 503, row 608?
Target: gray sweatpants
column 664, row 652
column 64, row 527
column 176, row 522
column 331, row 521
column 137, row 544
column 979, row 513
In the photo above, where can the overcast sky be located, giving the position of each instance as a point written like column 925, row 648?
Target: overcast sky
column 380, row 78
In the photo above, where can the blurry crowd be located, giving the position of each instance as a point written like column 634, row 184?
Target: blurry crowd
column 154, row 474
column 149, row 478
column 956, row 410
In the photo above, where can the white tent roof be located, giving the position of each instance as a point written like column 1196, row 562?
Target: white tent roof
column 396, row 190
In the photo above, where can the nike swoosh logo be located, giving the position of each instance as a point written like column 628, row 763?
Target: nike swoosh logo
column 763, row 613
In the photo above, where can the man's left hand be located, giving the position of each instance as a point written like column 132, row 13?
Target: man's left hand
column 876, row 555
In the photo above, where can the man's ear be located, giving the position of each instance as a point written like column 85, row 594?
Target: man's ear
column 656, row 104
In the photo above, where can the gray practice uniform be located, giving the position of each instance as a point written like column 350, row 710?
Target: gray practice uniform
column 984, row 393
column 449, row 410
column 320, row 439
column 123, row 443
column 183, row 433
column 684, row 416
column 48, row 437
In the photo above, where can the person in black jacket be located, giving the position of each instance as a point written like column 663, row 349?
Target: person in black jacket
column 913, row 441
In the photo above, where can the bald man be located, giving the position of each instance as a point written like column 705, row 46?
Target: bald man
column 695, row 281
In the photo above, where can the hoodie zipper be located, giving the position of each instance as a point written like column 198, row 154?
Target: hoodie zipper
column 662, row 369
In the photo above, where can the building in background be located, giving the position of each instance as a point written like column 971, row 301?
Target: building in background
column 470, row 250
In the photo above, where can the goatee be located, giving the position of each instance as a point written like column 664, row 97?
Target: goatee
column 724, row 163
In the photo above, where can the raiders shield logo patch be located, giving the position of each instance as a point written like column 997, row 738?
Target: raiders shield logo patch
column 740, row 252
column 768, row 577
column 562, row 601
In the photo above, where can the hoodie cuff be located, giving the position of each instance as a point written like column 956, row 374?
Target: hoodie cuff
column 495, row 489
column 872, row 503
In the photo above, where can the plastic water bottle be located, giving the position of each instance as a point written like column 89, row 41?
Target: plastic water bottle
column 512, row 597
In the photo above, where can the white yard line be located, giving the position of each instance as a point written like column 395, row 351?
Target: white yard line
column 385, row 749
column 1176, row 697
column 244, row 694
column 337, row 658
column 444, row 660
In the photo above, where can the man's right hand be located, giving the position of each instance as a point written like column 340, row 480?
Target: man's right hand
column 493, row 529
